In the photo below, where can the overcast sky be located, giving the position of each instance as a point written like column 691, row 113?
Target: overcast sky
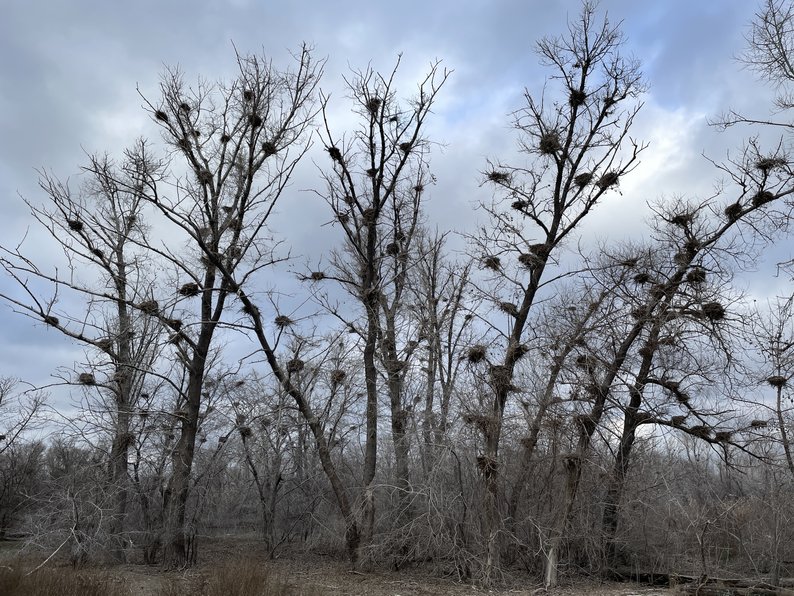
column 69, row 71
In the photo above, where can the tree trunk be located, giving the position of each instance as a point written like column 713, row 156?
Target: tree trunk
column 176, row 552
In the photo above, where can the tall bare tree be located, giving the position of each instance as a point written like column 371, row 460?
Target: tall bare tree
column 578, row 149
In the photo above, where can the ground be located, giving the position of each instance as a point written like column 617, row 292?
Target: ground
column 315, row 574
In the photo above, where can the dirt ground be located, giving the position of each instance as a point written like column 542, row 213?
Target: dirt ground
column 315, row 574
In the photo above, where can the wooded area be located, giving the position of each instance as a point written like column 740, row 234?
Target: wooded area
column 534, row 406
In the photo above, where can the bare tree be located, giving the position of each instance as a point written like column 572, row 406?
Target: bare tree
column 578, row 150
column 375, row 191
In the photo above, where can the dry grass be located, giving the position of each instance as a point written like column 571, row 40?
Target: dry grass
column 63, row 582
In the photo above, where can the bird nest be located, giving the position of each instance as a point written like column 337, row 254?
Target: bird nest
column 335, row 154
column 295, row 365
column 519, row 205
column 149, row 307
column 767, row 164
column 607, row 180
column 75, row 225
column 509, row 308
column 762, row 197
column 317, row 276
column 582, row 180
column 733, row 211
column 777, row 381
column 476, row 353
column 86, row 379
column 577, row 97
column 492, row 262
column 189, row 289
column 499, row 177
column 714, row 311
column 338, row 376
column 549, row 143
column 283, row 321
column 269, row 148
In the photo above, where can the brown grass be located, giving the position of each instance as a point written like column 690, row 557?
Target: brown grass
column 63, row 582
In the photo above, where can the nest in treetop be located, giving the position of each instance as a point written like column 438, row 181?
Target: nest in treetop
column 98, row 253
column 519, row 205
column 677, row 420
column 405, row 147
column 419, row 188
column 586, row 361
column 476, row 353
column 86, row 379
column 104, row 344
column 143, row 413
column 607, row 180
column 269, row 148
column 225, row 138
column 372, row 172
column 658, row 291
column 723, row 436
column 733, row 211
column 368, row 215
column 696, row 276
column 373, row 105
column 766, row 164
column 681, row 219
column 150, row 307
column 646, row 351
column 317, row 276
column 582, row 180
column 777, row 381
column 184, row 144
column 392, row 249
column 204, row 176
column 758, row 423
column 577, row 97
column 240, row 419
column 189, row 289
column 255, row 120
column 509, row 308
column 245, row 431
column 335, row 154
column 283, row 321
column 161, row 116
column 75, row 225
column 185, row 107
column 196, row 133
column 713, row 311
column 762, row 197
column 343, row 218
column 337, row 376
column 51, row 320
column 549, row 143
column 499, row 177
column 682, row 398
column 642, row 278
column 248, row 95
column 295, row 365
column 492, row 262
column 630, row 262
